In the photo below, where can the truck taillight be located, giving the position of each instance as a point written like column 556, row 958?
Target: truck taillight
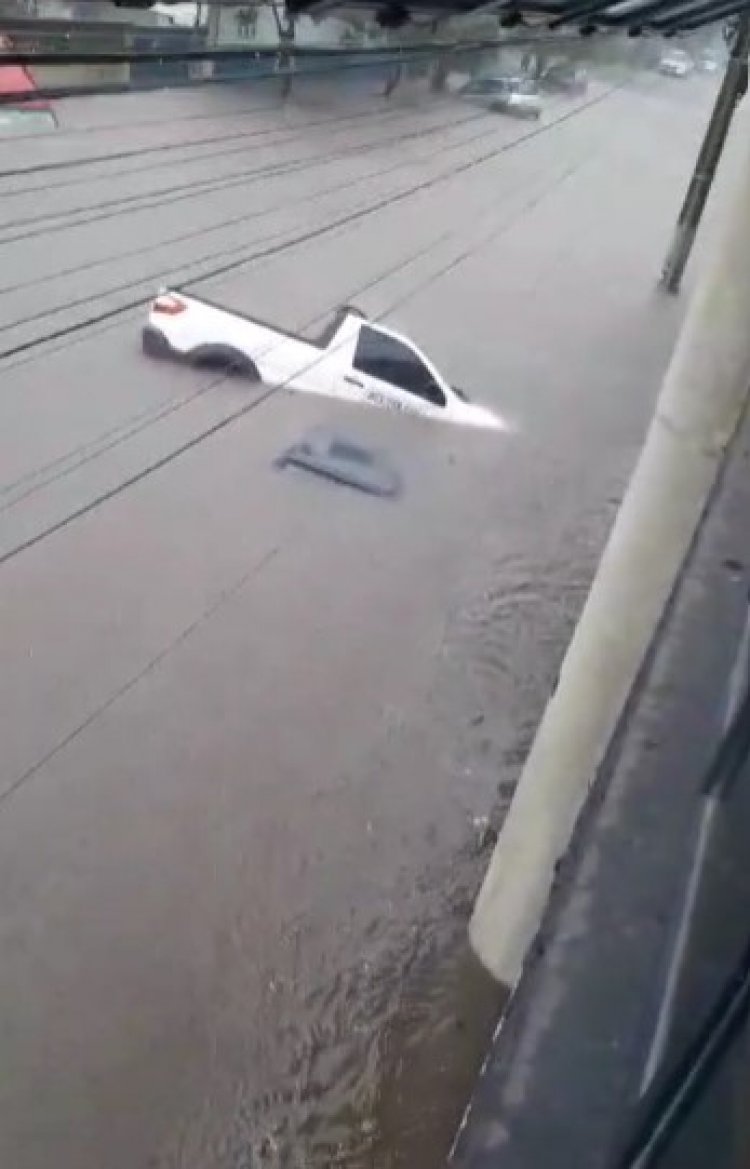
column 169, row 304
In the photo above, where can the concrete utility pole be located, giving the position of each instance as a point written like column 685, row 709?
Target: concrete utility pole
column 214, row 26
column 703, row 397
column 395, row 77
column 733, row 88
column 286, row 30
column 439, row 72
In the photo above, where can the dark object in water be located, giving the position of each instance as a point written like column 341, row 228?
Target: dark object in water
column 343, row 461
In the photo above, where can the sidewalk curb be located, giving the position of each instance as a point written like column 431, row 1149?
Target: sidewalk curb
column 700, row 405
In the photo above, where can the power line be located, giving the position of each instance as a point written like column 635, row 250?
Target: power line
column 377, row 57
column 298, row 165
column 159, row 149
column 146, row 419
column 256, row 403
column 67, row 339
column 143, row 421
column 55, row 93
column 304, row 237
column 235, row 262
column 107, row 127
column 119, row 435
column 251, row 53
column 238, row 262
column 255, row 51
column 285, row 135
column 244, row 217
column 178, row 192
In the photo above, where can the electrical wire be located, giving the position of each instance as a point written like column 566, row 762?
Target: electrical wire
column 63, row 133
column 378, row 58
column 147, row 85
column 275, row 248
column 95, row 326
column 107, row 127
column 132, row 426
column 243, row 217
column 232, row 53
column 51, row 222
column 285, row 135
column 235, row 262
column 205, row 615
column 145, row 419
column 15, row 99
column 431, row 278
column 221, row 226
column 288, row 133
column 250, row 407
column 410, row 259
column 195, row 188
column 140, row 151
column 205, row 52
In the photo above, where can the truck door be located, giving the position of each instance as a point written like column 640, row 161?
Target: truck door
column 390, row 373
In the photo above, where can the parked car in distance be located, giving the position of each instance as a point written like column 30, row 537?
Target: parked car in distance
column 676, row 63
column 15, row 121
column 508, row 95
column 564, row 78
column 709, row 61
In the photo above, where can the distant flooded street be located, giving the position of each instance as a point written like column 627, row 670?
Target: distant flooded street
column 258, row 729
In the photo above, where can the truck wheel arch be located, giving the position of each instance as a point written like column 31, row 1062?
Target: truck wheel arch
column 225, row 357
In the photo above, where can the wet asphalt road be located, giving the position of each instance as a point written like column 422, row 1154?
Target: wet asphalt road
column 250, row 719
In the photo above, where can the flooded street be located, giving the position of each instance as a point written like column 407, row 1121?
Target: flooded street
column 258, row 728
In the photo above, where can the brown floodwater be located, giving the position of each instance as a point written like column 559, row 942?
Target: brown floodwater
column 258, row 729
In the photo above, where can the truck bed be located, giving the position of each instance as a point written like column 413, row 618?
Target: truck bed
column 320, row 341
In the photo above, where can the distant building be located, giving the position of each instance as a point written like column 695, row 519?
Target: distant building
column 249, row 23
column 255, row 24
column 99, row 11
column 187, row 15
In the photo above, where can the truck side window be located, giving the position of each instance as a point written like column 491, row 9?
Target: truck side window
column 383, row 357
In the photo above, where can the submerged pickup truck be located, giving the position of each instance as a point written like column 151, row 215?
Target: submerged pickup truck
column 353, row 358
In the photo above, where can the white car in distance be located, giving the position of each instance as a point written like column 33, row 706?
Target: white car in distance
column 353, row 358
column 676, row 63
column 518, row 96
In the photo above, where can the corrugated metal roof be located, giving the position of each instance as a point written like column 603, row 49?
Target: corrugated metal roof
column 586, row 16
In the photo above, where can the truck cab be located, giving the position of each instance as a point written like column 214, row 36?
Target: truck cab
column 387, row 369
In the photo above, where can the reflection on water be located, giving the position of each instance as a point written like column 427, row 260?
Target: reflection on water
column 380, row 1055
column 383, row 1072
column 249, row 876
column 438, row 1047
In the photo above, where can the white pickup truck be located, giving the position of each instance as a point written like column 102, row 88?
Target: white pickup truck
column 352, row 358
